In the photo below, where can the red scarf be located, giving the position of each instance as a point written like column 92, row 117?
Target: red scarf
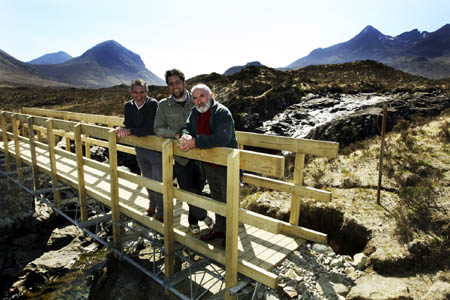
column 204, row 128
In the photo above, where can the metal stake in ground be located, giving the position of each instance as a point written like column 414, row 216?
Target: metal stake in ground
column 380, row 173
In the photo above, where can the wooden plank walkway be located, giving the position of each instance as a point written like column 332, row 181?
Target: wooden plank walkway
column 256, row 247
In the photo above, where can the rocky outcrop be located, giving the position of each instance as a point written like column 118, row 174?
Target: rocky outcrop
column 64, row 248
column 376, row 287
column 35, row 245
column 348, row 118
column 440, row 290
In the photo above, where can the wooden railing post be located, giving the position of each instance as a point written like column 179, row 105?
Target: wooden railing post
column 51, row 153
column 114, row 184
column 298, row 180
column 5, row 141
column 15, row 128
column 39, row 136
column 33, row 154
column 231, row 252
column 24, row 131
column 80, row 171
column 87, row 147
column 67, row 139
column 167, row 169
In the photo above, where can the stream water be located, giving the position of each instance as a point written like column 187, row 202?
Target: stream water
column 299, row 119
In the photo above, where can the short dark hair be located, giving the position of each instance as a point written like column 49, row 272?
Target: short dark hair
column 139, row 82
column 174, row 72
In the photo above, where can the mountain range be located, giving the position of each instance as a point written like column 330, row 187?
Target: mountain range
column 420, row 53
column 104, row 65
column 108, row 64
column 13, row 72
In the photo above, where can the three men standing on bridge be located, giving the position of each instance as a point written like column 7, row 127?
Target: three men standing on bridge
column 171, row 116
column 198, row 121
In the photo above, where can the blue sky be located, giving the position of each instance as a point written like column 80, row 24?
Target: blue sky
column 201, row 37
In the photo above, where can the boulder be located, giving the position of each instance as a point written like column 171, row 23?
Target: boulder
column 438, row 291
column 361, row 261
column 376, row 287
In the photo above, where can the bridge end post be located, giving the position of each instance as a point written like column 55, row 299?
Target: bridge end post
column 114, row 188
column 232, row 213
column 169, row 236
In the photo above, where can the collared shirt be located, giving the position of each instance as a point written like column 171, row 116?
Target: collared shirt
column 186, row 97
column 139, row 107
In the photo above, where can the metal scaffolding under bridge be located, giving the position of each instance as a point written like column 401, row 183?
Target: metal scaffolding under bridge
column 111, row 203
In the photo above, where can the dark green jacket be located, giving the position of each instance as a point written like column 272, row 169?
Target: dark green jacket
column 222, row 128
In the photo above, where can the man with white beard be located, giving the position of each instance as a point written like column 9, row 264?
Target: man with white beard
column 209, row 125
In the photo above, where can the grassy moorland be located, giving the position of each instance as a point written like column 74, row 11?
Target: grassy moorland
column 408, row 234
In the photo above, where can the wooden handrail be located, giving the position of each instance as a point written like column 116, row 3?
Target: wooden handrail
column 295, row 145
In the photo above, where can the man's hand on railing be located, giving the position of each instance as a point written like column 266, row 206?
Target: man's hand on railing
column 122, row 132
column 186, row 142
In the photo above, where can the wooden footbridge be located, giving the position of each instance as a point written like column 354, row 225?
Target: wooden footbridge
column 255, row 243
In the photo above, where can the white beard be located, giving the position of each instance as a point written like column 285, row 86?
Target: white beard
column 204, row 108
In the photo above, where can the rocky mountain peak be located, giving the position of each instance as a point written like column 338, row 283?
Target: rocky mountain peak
column 51, row 58
column 411, row 36
column 370, row 33
column 110, row 54
column 236, row 69
column 442, row 33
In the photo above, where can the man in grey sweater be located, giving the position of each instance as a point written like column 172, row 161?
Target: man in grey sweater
column 171, row 116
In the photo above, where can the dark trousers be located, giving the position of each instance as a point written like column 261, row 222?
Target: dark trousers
column 217, row 180
column 190, row 178
column 150, row 163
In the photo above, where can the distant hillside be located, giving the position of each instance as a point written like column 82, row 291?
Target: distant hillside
column 106, row 64
column 419, row 53
column 236, row 69
column 13, row 72
column 51, row 58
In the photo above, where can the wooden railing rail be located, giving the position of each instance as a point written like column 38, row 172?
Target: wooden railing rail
column 109, row 121
column 295, row 145
column 300, row 147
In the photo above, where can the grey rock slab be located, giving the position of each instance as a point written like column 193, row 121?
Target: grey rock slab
column 376, row 287
column 438, row 291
